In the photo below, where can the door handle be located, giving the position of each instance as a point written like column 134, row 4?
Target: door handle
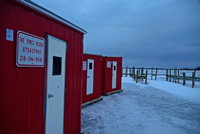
column 88, row 77
column 50, row 95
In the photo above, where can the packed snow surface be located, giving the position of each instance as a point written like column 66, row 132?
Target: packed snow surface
column 157, row 107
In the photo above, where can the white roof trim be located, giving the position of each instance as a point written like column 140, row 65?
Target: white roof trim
column 113, row 56
column 92, row 54
column 49, row 13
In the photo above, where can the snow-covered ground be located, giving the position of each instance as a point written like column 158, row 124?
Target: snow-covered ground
column 157, row 107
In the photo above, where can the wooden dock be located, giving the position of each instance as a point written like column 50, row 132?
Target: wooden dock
column 171, row 75
column 177, row 76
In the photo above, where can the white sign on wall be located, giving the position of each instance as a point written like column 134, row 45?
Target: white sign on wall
column 84, row 65
column 30, row 50
column 9, row 34
column 109, row 64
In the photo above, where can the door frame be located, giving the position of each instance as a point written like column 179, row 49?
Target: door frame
column 87, row 76
column 45, row 82
column 115, row 74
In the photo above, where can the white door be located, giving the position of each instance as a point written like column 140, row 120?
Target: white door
column 56, row 63
column 114, row 74
column 90, row 76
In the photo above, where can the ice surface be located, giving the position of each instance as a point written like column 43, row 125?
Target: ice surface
column 157, row 107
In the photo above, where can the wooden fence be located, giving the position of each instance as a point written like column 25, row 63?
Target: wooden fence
column 138, row 75
column 176, row 75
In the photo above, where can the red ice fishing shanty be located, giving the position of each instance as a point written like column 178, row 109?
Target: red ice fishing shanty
column 111, row 75
column 40, row 65
column 91, row 78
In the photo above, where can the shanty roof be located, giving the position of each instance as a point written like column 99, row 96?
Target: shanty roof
column 49, row 13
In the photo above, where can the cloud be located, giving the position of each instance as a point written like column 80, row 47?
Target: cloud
column 144, row 32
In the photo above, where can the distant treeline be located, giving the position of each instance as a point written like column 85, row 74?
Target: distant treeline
column 197, row 68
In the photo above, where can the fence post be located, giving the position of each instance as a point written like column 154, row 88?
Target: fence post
column 137, row 76
column 146, row 77
column 126, row 71
column 183, row 78
column 142, row 72
column 151, row 73
column 134, row 73
column 193, row 79
column 156, row 73
column 139, row 71
column 166, row 74
column 178, row 75
column 170, row 75
column 175, row 74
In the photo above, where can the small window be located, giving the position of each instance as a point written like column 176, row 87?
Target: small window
column 114, row 67
column 57, row 62
column 90, row 65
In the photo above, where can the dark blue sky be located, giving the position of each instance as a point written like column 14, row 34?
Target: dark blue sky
column 149, row 33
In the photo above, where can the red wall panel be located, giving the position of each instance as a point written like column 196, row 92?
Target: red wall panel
column 106, row 79
column 22, row 88
column 97, row 78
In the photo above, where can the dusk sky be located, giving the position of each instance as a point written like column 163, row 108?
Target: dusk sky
column 146, row 33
